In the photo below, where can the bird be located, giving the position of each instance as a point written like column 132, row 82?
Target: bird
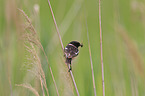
column 71, row 51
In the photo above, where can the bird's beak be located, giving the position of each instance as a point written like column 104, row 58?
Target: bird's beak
column 81, row 45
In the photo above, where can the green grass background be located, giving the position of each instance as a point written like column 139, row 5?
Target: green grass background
column 123, row 27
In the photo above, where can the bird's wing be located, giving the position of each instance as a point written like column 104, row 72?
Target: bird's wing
column 71, row 51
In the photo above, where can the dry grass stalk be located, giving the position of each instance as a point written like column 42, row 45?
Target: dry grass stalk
column 93, row 77
column 28, row 86
column 102, row 65
column 42, row 86
column 66, row 23
column 32, row 39
column 74, row 83
column 73, row 80
column 56, row 25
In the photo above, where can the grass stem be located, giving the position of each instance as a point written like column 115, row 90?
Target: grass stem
column 62, row 46
column 56, row 25
column 101, row 48
column 93, row 78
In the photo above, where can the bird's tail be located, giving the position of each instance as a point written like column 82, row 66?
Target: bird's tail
column 68, row 60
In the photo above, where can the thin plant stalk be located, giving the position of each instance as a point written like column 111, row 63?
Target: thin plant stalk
column 42, row 87
column 72, row 77
column 50, row 71
column 74, row 83
column 93, row 78
column 67, row 21
column 55, row 25
column 103, row 85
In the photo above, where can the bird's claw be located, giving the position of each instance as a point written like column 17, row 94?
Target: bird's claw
column 70, row 69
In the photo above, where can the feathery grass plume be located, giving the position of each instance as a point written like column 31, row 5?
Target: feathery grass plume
column 28, row 86
column 32, row 39
column 132, row 49
column 36, row 67
column 93, row 77
column 71, row 74
column 40, row 70
column 102, row 65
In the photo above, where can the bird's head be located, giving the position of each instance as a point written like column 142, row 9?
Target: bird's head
column 76, row 43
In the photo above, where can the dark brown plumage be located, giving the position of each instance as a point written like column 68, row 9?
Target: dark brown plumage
column 71, row 51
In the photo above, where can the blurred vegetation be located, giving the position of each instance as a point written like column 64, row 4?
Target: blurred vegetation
column 123, row 27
